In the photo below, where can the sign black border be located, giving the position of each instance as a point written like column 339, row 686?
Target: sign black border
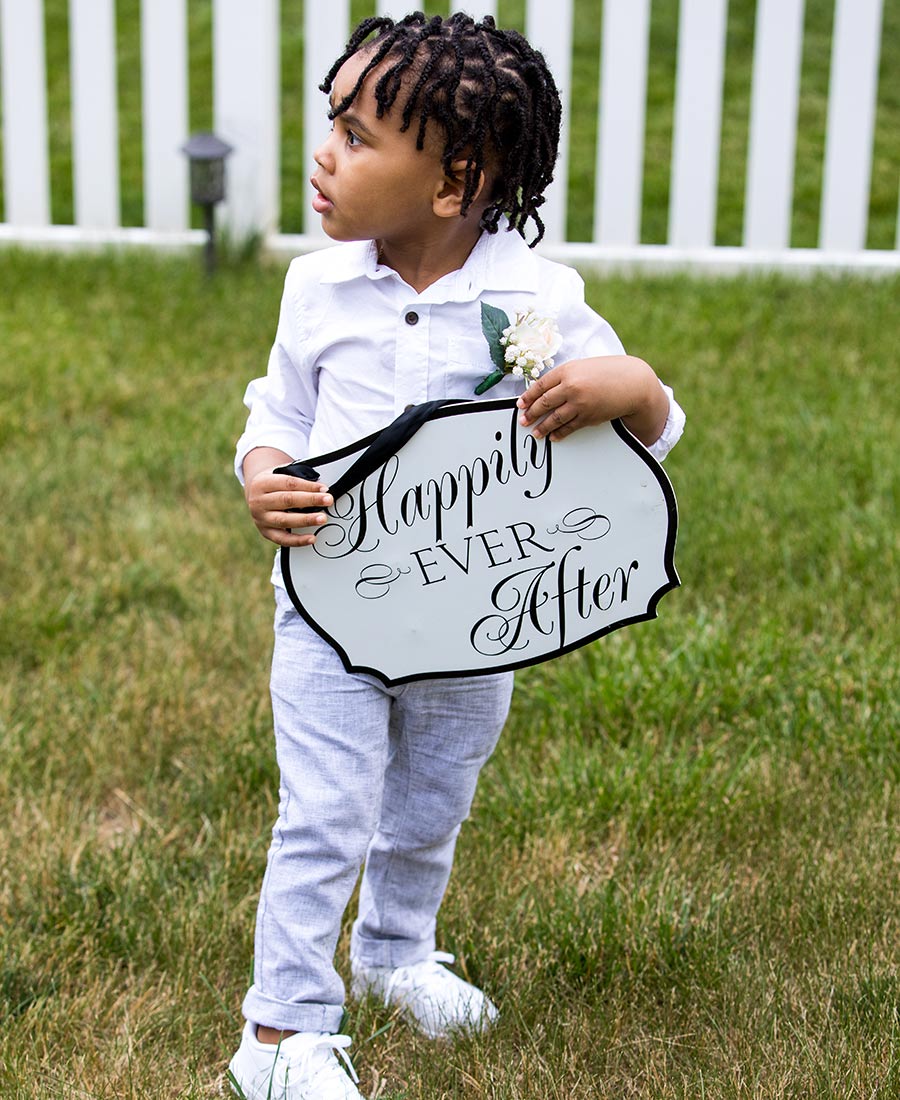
column 463, row 408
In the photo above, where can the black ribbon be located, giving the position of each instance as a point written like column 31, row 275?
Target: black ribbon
column 388, row 442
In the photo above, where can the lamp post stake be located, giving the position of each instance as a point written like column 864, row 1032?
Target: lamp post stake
column 206, row 154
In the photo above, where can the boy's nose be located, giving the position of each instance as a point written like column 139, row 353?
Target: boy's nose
column 322, row 156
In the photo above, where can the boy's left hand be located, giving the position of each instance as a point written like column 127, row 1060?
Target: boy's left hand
column 592, row 391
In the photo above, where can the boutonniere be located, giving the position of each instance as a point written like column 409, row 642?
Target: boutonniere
column 523, row 348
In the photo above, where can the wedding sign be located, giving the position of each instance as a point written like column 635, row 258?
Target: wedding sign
column 474, row 548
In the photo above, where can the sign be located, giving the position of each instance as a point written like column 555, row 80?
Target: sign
column 475, row 548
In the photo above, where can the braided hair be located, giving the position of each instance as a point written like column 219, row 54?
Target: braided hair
column 489, row 91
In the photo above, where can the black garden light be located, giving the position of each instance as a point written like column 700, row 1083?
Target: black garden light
column 207, row 154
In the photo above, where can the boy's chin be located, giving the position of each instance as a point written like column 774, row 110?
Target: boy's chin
column 336, row 233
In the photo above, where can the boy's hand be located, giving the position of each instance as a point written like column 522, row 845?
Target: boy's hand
column 269, row 498
column 592, row 391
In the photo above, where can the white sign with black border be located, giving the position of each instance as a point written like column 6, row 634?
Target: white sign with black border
column 473, row 548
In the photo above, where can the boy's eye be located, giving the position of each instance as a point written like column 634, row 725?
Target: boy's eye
column 353, row 139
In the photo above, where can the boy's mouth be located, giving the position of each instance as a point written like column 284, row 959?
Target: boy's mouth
column 321, row 203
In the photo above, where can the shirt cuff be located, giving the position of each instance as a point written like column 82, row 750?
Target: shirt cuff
column 674, row 426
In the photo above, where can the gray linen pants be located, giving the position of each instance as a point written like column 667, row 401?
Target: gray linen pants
column 368, row 773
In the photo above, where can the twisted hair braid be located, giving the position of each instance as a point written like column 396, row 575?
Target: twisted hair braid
column 488, row 90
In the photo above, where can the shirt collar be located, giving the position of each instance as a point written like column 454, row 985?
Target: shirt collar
column 345, row 262
column 499, row 261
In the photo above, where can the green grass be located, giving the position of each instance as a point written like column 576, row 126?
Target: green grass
column 660, row 104
column 679, row 878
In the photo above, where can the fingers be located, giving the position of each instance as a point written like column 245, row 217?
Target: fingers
column 289, row 528
column 558, row 424
column 297, row 484
column 282, row 537
column 547, row 409
column 285, row 500
column 556, row 434
column 566, row 398
column 281, row 493
column 537, row 389
column 544, row 395
column 280, row 507
column 271, row 494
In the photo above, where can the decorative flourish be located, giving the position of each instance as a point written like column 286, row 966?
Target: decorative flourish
column 523, row 348
column 580, row 521
column 375, row 580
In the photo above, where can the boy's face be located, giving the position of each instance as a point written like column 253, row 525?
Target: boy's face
column 371, row 182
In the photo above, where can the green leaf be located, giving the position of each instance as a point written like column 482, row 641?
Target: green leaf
column 493, row 322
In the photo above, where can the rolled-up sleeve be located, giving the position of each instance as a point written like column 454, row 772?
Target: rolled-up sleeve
column 588, row 334
column 672, row 430
column 282, row 404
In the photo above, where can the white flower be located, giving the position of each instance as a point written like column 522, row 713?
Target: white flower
column 523, row 349
column 531, row 342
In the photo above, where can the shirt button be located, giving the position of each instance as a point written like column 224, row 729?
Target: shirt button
column 412, row 318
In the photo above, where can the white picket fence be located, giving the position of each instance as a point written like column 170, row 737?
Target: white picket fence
column 247, row 111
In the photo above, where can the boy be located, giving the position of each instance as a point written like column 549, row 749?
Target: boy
column 444, row 139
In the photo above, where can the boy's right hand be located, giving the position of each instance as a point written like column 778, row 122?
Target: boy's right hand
column 270, row 497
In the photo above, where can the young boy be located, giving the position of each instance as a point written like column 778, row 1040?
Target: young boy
column 444, row 139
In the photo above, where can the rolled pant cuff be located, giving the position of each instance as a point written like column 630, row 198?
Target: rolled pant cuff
column 266, row 1012
column 389, row 953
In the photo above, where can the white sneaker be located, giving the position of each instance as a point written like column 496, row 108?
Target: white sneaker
column 301, row 1067
column 433, row 998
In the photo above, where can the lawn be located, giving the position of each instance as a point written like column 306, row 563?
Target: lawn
column 680, row 874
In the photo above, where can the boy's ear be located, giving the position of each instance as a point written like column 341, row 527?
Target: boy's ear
column 448, row 195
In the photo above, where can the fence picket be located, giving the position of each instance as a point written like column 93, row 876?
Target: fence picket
column 549, row 29
column 698, row 114
column 620, row 145
column 773, row 123
column 395, row 9
column 851, row 122
column 164, row 105
column 23, row 71
column 246, row 77
column 95, row 130
column 485, row 7
column 327, row 27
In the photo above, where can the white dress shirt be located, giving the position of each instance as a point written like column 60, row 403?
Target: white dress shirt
column 356, row 345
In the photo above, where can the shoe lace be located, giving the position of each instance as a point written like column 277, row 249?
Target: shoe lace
column 328, row 1067
column 422, row 973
